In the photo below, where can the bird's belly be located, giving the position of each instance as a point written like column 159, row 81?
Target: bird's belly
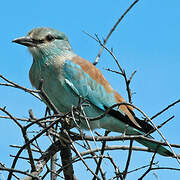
column 58, row 95
column 64, row 101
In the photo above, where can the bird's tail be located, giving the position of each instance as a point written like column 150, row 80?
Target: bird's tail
column 146, row 127
column 142, row 129
column 155, row 147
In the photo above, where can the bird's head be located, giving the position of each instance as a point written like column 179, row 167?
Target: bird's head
column 45, row 42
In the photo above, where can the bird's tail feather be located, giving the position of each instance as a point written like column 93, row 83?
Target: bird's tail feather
column 155, row 147
column 142, row 130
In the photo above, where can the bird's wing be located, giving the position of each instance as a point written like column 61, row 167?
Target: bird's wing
column 87, row 81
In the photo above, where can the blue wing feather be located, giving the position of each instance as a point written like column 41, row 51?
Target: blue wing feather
column 85, row 86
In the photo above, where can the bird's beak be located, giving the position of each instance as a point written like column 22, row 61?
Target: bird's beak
column 26, row 41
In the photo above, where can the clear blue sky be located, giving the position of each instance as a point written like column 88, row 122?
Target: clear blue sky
column 147, row 40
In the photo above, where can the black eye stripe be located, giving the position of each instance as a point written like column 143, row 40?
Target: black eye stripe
column 38, row 41
column 49, row 38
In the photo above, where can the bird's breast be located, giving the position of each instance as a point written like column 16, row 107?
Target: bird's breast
column 51, row 72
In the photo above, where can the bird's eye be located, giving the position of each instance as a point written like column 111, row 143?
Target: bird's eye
column 49, row 37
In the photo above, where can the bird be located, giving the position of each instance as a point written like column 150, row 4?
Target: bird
column 67, row 78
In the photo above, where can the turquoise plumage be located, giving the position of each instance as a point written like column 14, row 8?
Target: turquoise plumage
column 67, row 77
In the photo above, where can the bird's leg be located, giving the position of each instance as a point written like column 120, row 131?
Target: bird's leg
column 125, row 130
column 74, row 119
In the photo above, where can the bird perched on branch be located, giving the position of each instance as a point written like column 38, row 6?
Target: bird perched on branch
column 67, row 77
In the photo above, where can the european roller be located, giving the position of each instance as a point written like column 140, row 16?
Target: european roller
column 67, row 77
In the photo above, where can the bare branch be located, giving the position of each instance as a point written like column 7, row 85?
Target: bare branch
column 165, row 109
column 112, row 30
column 128, row 160
column 161, row 125
column 25, row 145
column 78, row 154
column 101, row 155
column 123, row 138
column 15, row 85
column 150, row 167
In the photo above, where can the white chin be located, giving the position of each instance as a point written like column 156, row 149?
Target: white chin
column 33, row 50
